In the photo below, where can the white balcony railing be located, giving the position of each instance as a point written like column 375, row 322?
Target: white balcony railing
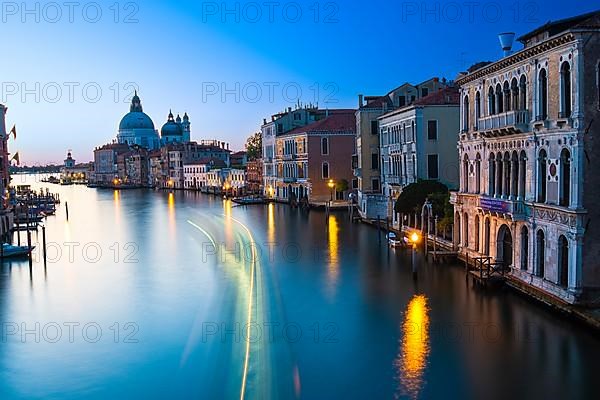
column 517, row 120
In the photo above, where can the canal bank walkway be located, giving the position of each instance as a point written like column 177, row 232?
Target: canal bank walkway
column 589, row 316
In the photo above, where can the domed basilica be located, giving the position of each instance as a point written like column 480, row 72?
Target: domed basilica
column 176, row 130
column 136, row 127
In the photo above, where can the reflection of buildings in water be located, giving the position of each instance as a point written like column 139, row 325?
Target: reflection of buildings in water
column 414, row 347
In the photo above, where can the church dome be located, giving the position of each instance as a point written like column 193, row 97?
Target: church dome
column 136, row 120
column 171, row 128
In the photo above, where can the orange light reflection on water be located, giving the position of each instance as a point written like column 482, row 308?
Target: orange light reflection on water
column 414, row 350
column 333, row 248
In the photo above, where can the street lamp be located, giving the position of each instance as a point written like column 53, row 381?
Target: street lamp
column 331, row 185
column 414, row 238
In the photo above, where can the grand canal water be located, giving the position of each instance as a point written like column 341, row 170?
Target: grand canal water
column 150, row 294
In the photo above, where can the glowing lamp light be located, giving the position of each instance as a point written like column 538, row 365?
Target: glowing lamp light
column 414, row 237
column 330, row 184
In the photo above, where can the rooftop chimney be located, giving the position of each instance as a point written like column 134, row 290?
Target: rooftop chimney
column 360, row 100
column 506, row 42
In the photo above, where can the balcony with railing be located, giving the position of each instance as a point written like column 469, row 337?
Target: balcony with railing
column 513, row 207
column 506, row 123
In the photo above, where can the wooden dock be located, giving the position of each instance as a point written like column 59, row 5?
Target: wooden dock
column 486, row 272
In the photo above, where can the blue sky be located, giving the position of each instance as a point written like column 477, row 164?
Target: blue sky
column 229, row 64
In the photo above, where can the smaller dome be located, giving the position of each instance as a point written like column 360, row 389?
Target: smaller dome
column 171, row 128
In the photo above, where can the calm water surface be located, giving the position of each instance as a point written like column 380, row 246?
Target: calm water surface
column 150, row 294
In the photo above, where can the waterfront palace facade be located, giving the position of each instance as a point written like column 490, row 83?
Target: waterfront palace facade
column 528, row 187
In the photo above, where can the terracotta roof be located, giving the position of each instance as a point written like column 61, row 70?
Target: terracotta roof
column 212, row 161
column 377, row 102
column 341, row 121
column 445, row 96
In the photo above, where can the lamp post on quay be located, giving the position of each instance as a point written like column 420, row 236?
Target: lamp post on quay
column 414, row 238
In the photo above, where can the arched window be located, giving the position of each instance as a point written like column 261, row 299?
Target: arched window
column 466, row 229
column 565, row 178
column 324, row 146
column 492, row 175
column 540, row 253
column 507, row 175
column 466, row 174
column 477, row 109
column 542, row 176
column 414, row 163
column 514, row 180
column 514, row 94
column 524, row 247
column 466, row 113
column 565, row 90
column 499, row 99
column 478, row 173
column 543, row 95
column 523, row 92
column 507, row 97
column 457, row 230
column 491, row 101
column 522, row 172
column 563, row 261
column 499, row 174
column 325, row 170
column 476, row 233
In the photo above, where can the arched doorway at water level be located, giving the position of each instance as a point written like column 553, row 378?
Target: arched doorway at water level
column 504, row 246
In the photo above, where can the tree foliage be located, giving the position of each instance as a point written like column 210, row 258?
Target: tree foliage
column 341, row 185
column 254, row 146
column 413, row 197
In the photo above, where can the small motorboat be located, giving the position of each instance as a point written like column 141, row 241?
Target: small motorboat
column 394, row 240
column 249, row 200
column 11, row 251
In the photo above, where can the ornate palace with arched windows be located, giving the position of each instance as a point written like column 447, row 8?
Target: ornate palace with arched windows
column 529, row 181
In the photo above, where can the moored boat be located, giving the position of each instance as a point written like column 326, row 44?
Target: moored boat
column 249, row 200
column 11, row 251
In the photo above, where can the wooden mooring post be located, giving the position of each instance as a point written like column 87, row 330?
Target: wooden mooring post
column 44, row 243
column 435, row 233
